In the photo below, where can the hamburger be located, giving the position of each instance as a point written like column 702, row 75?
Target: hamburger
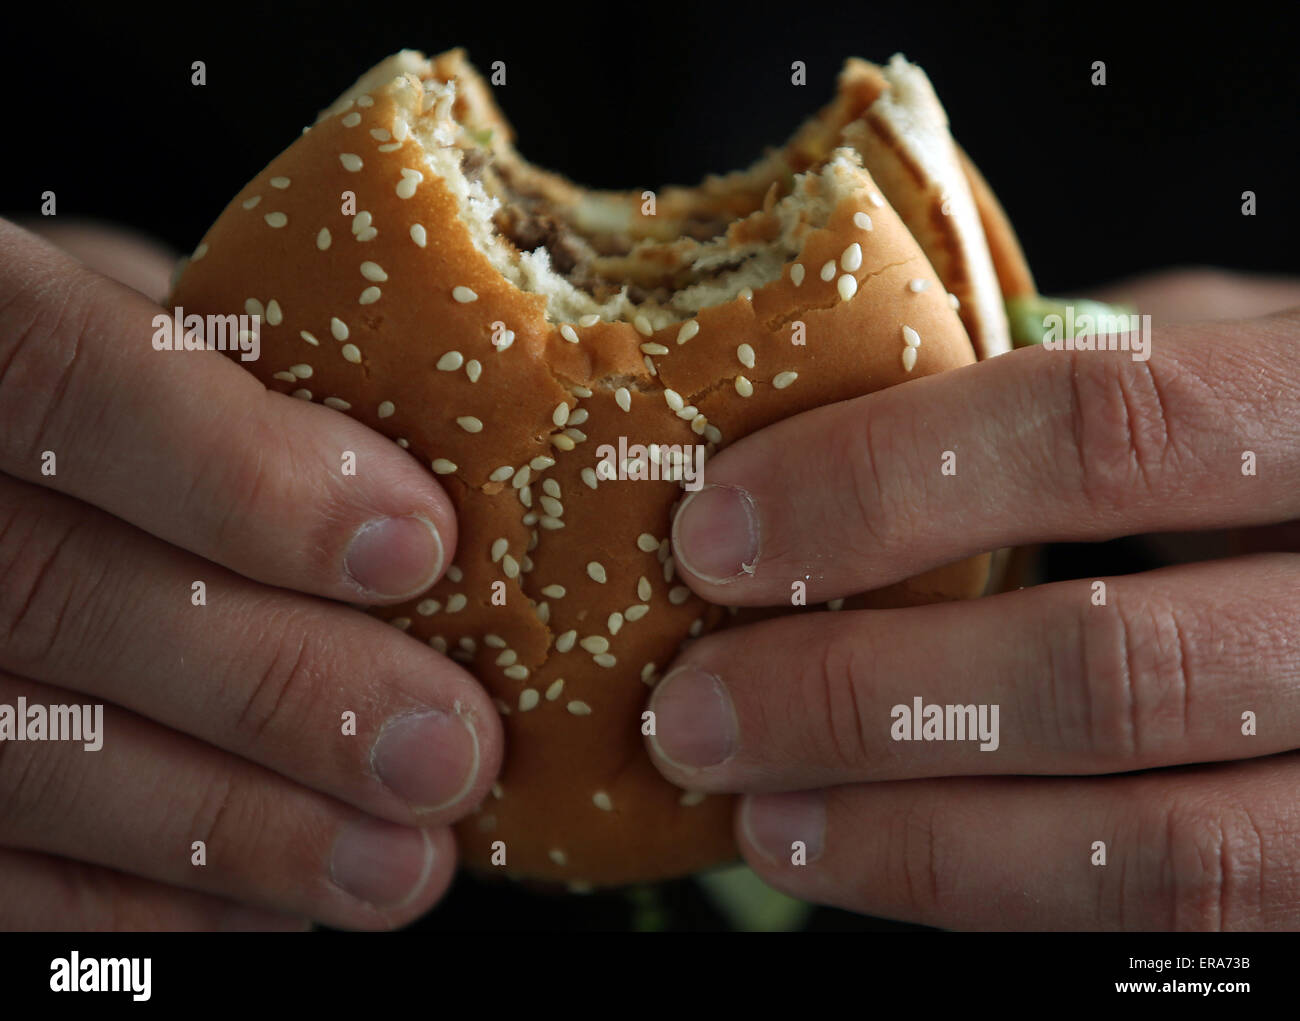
column 566, row 359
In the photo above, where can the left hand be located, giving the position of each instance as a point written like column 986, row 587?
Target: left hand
column 1052, row 446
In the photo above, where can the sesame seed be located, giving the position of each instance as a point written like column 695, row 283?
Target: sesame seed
column 525, row 494
column 623, row 398
column 643, row 590
column 419, row 235
column 553, row 692
column 451, row 361
column 495, row 641
column 551, row 488
column 338, row 328
column 373, row 271
column 578, row 417
column 274, row 316
column 565, row 642
column 439, row 643
column 909, row 358
column 351, row 161
column 463, row 294
column 444, row 467
column 370, row 295
column 280, row 182
column 605, row 660
column 847, row 286
column 589, row 478
column 337, row 403
column 552, row 507
column 615, row 623
column 591, row 319
column 650, row 365
column 636, row 612
column 595, row 644
column 401, row 623
column 663, row 550
column 468, row 644
column 745, row 354
column 952, row 300
column 679, row 594
column 560, row 415
column 502, row 708
column 697, row 625
column 518, row 672
column 551, row 524
column 502, row 473
column 199, row 252
column 689, row 329
column 301, row 371
column 647, row 543
column 578, row 709
column 562, row 442
column 577, row 435
column 390, row 147
column 910, row 337
column 498, row 549
column 455, row 574
column 569, row 334
column 647, row 671
column 674, row 400
column 596, row 572
column 473, row 369
column 510, row 566
column 746, row 293
column 403, row 442
column 351, row 353
column 366, row 101
column 784, row 379
column 557, row 856
column 253, row 307
column 744, row 387
column 380, row 134
column 713, row 434
column 796, row 274
column 323, row 239
column 601, row 800
column 688, row 412
column 250, row 203
column 554, row 591
column 875, row 198
column 287, row 377
column 851, row 258
column 352, row 120
column 654, row 349
column 580, row 391
column 522, row 476
column 828, row 271
column 470, row 424
column 457, row 603
column 835, row 604
column 386, row 409
column 862, row 221
column 410, row 181
column 691, row 798
column 528, row 699
column 427, row 607
column 918, row 285
column 642, row 325
column 400, row 130
column 670, row 567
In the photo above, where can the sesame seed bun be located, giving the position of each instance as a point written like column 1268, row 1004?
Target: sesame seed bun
column 429, row 314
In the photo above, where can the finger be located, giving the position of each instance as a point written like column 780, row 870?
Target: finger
column 46, row 894
column 150, row 801
column 1187, row 664
column 130, row 258
column 1185, row 295
column 194, row 450
column 1035, row 446
column 1205, row 848
column 327, row 696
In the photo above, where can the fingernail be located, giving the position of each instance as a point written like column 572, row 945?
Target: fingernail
column 427, row 759
column 777, row 824
column 715, row 534
column 695, row 722
column 381, row 863
column 395, row 556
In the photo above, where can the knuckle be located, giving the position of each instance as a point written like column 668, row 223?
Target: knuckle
column 289, row 679
column 839, row 680
column 914, row 860
column 1135, row 679
column 45, row 578
column 30, row 778
column 858, row 456
column 41, row 351
column 1214, row 866
column 1120, row 435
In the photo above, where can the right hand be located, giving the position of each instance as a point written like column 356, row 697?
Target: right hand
column 223, row 722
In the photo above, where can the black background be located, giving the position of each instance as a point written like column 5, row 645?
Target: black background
column 1144, row 172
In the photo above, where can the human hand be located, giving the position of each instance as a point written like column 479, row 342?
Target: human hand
column 1050, row 446
column 224, row 722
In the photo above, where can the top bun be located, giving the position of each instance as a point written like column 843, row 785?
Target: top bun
column 503, row 325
